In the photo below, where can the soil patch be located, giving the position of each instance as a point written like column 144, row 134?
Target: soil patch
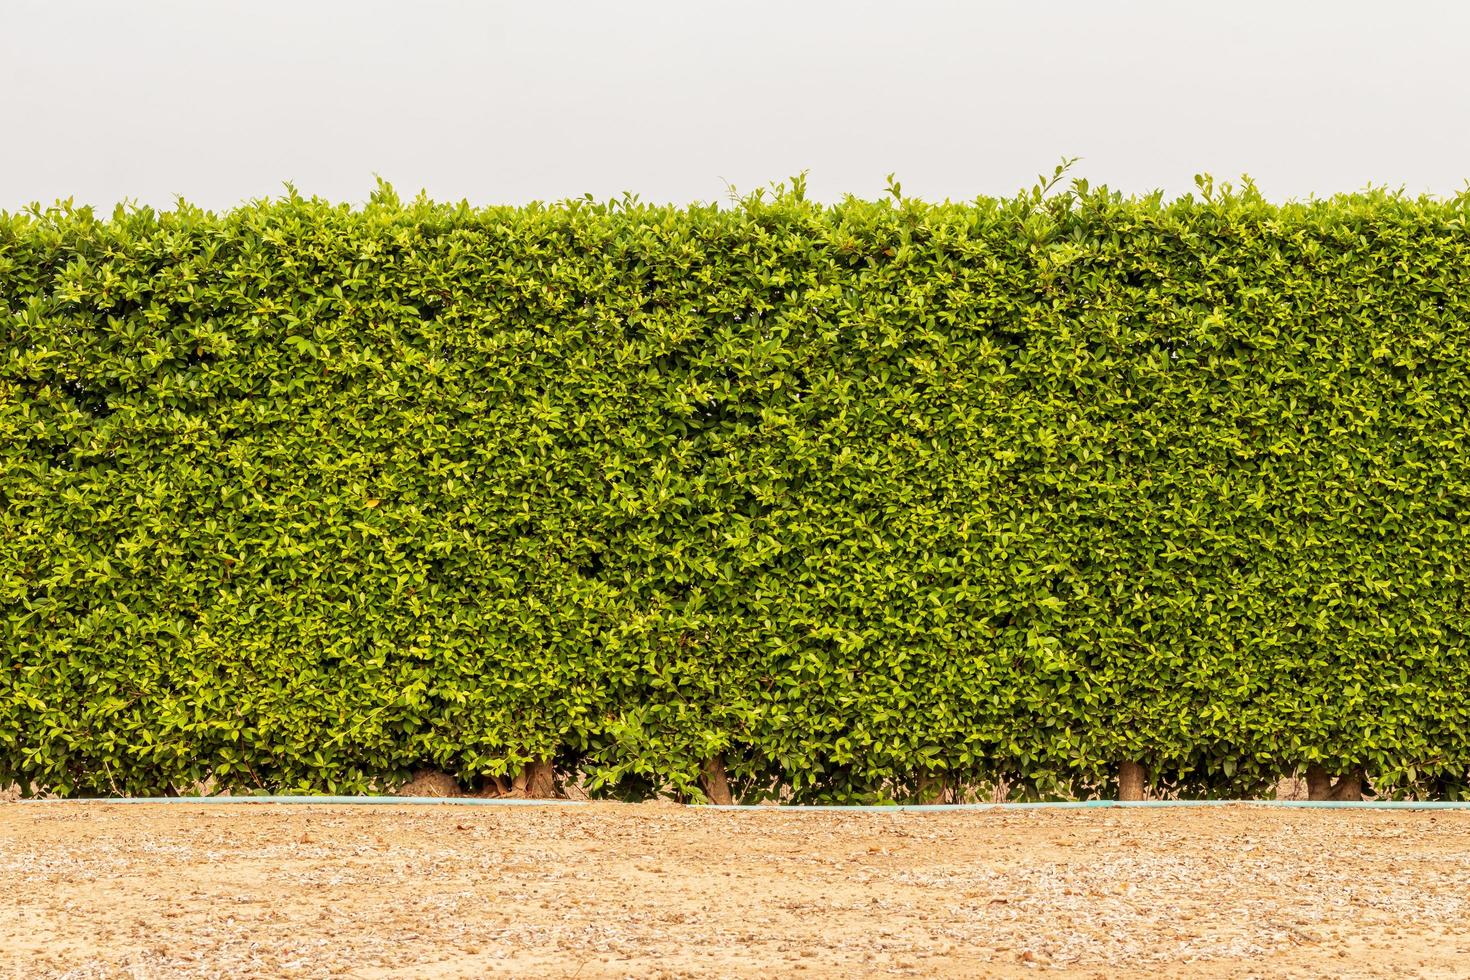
column 609, row 890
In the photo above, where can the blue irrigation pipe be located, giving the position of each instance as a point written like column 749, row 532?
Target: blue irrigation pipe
column 803, row 808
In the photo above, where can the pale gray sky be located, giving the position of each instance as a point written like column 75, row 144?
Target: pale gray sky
column 223, row 100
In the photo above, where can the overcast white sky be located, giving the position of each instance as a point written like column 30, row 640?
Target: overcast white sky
column 223, row 100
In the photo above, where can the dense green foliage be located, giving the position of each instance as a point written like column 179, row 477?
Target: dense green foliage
column 856, row 496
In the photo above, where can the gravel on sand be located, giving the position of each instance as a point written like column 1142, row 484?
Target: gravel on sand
column 612, row 890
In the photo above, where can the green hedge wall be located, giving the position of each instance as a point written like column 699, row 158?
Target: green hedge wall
column 860, row 498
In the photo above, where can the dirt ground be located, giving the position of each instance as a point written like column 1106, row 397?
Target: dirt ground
column 609, row 890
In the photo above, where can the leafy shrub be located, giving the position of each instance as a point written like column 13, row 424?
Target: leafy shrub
column 856, row 497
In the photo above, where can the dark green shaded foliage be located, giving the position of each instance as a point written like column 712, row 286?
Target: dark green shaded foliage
column 855, row 496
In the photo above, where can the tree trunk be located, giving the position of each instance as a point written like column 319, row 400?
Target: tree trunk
column 535, row 782
column 1322, row 787
column 1319, row 784
column 1349, row 786
column 712, row 780
column 1130, row 782
column 931, row 788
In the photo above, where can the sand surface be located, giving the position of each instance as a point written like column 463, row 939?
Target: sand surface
column 609, row 890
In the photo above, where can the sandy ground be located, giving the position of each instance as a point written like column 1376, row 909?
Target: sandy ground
column 608, row 890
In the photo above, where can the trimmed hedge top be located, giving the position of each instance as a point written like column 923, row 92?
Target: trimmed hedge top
column 855, row 496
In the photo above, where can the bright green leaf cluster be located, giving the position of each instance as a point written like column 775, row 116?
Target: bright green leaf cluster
column 855, row 496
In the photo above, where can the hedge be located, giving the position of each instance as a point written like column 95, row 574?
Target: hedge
column 855, row 501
